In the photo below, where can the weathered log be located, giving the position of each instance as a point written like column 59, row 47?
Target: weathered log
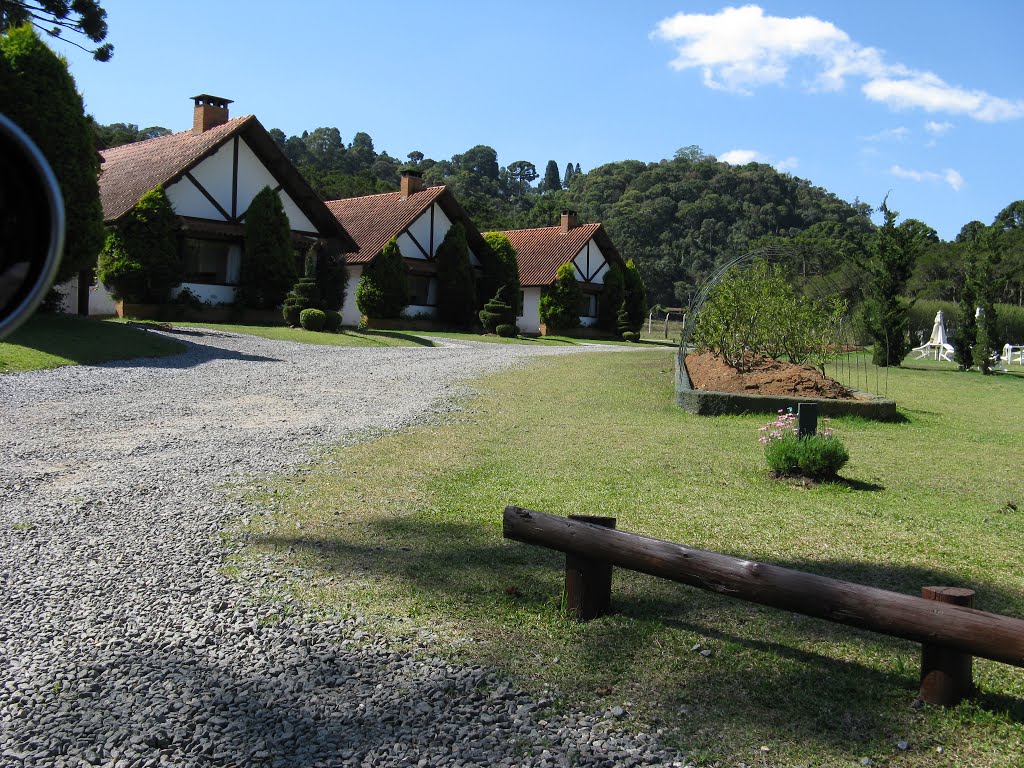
column 588, row 582
column 989, row 635
column 947, row 676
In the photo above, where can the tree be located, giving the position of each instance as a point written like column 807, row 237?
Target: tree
column 560, row 303
column 612, row 299
column 415, row 157
column 331, row 279
column 634, row 296
column 504, row 270
column 891, row 256
column 324, row 149
column 38, row 93
column 268, row 265
column 140, row 262
column 569, row 173
column 522, row 174
column 55, row 17
column 384, row 287
column 456, row 285
column 552, row 181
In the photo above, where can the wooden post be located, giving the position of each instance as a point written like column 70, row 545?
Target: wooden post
column 946, row 674
column 806, row 419
column 588, row 582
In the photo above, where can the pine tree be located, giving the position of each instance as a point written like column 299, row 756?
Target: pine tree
column 611, row 300
column 634, row 296
column 551, row 181
column 268, row 265
column 384, row 287
column 456, row 285
column 38, row 93
column 569, row 173
column 560, row 303
column 140, row 262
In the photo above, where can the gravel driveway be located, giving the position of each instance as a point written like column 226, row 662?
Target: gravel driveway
column 122, row 643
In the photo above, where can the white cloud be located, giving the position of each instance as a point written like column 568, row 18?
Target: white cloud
column 937, row 129
column 889, row 134
column 740, row 49
column 949, row 176
column 740, row 156
column 787, row 165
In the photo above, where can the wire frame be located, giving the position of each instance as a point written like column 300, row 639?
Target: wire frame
column 818, row 275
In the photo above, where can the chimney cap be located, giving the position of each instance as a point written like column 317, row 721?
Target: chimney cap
column 205, row 98
column 416, row 174
column 568, row 212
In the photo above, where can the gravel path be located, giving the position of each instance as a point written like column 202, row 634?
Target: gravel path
column 122, row 644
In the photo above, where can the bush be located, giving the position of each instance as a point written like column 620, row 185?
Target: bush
column 497, row 311
column 634, row 296
column 313, row 319
column 815, row 456
column 632, row 336
column 383, row 289
column 332, row 323
column 503, row 271
column 268, row 265
column 560, row 303
column 456, row 285
column 507, row 330
column 611, row 299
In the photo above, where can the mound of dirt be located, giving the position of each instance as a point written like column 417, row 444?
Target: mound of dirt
column 765, row 377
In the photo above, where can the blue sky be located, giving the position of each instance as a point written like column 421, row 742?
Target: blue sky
column 920, row 101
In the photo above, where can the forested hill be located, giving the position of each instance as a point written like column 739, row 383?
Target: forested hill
column 678, row 219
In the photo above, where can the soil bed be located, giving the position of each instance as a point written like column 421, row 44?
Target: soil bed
column 766, row 376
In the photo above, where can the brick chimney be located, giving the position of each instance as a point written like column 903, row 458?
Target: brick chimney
column 568, row 220
column 412, row 182
column 210, row 111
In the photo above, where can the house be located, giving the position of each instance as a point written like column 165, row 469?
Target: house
column 210, row 174
column 540, row 252
column 418, row 217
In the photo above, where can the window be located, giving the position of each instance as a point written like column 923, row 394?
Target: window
column 588, row 305
column 212, row 262
column 422, row 290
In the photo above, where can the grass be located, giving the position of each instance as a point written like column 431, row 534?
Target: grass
column 51, row 341
column 407, row 530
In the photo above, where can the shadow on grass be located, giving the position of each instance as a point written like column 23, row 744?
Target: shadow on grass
column 490, row 582
column 401, row 336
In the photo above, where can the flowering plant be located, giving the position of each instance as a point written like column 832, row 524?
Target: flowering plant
column 816, row 456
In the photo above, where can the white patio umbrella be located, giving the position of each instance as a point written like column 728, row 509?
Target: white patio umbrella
column 937, row 346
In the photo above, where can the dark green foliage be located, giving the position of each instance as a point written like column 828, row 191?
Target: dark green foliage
column 560, row 302
column 140, row 261
column 332, row 279
column 891, row 255
column 569, row 173
column 612, row 296
column 497, row 311
column 966, row 334
column 551, row 181
column 312, row 319
column 305, row 294
column 622, row 320
column 55, row 17
column 634, row 296
column 332, row 323
column 456, row 285
column 816, row 456
column 507, row 330
column 118, row 134
column 632, row 336
column 384, row 287
column 503, row 271
column 38, row 93
column 268, row 266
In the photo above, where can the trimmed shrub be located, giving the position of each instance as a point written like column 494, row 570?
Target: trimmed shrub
column 634, row 296
column 305, row 294
column 507, row 330
column 333, row 320
column 560, row 303
column 612, row 296
column 332, row 280
column 504, row 271
column 268, row 265
column 456, row 285
column 497, row 311
column 312, row 319
column 632, row 336
column 384, row 287
column 140, row 262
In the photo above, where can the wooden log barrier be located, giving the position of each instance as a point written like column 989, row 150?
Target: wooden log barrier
column 958, row 629
column 946, row 675
column 588, row 582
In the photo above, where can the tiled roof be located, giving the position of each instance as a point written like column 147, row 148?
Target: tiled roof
column 372, row 220
column 129, row 171
column 540, row 252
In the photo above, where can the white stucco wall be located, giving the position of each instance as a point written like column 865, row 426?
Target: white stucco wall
column 350, row 314
column 529, row 321
column 101, row 303
column 590, row 264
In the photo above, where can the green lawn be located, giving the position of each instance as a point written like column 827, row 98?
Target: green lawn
column 406, row 530
column 346, row 338
column 50, row 341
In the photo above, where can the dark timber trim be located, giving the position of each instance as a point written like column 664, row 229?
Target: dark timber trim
column 208, row 196
column 234, row 179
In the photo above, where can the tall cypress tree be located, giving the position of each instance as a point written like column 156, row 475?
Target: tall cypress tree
column 552, row 180
column 456, row 285
column 38, row 93
column 268, row 266
column 569, row 173
column 384, row 287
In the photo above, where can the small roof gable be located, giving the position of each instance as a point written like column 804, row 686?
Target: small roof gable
column 372, row 220
column 129, row 171
column 540, row 252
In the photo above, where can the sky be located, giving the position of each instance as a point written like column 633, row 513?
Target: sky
column 922, row 102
